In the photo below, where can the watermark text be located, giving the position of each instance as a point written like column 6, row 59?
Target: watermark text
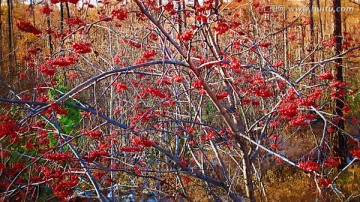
column 282, row 8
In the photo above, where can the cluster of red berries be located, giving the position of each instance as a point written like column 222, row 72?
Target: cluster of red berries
column 160, row 93
column 46, row 69
column 355, row 153
column 120, row 14
column 131, row 149
column 27, row 27
column 58, row 156
column 186, row 36
column 209, row 136
column 94, row 133
column 141, row 142
column 8, row 127
column 221, row 27
column 222, row 95
column 46, row 9
column 309, row 166
column 149, row 54
column 131, row 43
column 197, row 84
column 62, row 61
column 169, row 7
column 54, row 107
column 75, row 21
column 81, row 47
column 120, row 87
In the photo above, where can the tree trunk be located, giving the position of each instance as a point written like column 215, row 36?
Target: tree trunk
column 67, row 10
column 321, row 56
column 49, row 37
column 10, row 39
column 312, row 33
column 339, row 102
column 61, row 17
column 62, row 31
column 32, row 12
column 247, row 172
column 179, row 13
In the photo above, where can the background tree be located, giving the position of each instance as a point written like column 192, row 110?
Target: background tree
column 339, row 101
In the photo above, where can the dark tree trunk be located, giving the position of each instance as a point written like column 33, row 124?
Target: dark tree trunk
column 184, row 16
column 10, row 39
column 50, row 38
column 67, row 10
column 321, row 34
column 339, row 102
column 312, row 32
column 179, row 13
column 312, row 40
column 62, row 31
column 61, row 17
column 32, row 12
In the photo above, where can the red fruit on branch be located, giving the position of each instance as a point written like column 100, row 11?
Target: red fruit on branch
column 149, row 54
column 330, row 129
column 355, row 153
column 184, row 163
column 234, row 64
column 292, row 37
column 197, row 84
column 75, row 21
column 63, row 61
column 160, row 93
column 177, row 78
column 131, row 43
column 169, row 7
column 72, row 1
column 278, row 64
column 131, row 149
column 81, row 47
column 186, row 36
column 264, row 44
column 141, row 142
column 323, row 182
column 27, row 27
column 46, row 9
column 46, row 69
column 326, row 76
column 54, row 107
column 300, row 120
column 201, row 17
column 120, row 87
column 222, row 95
column 120, row 14
column 309, row 166
column 94, row 134
column 58, row 156
column 275, row 146
column 23, row 76
column 337, row 83
column 221, row 27
column 73, row 75
column 185, row 180
column 137, row 170
column 8, row 127
column 332, row 162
